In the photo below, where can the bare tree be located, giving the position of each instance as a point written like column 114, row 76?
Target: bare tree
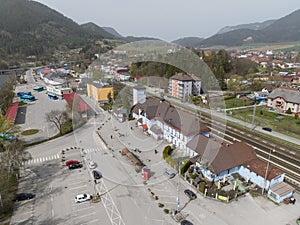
column 58, row 118
column 14, row 155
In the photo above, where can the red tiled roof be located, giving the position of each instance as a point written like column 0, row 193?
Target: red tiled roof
column 260, row 167
column 12, row 111
column 79, row 104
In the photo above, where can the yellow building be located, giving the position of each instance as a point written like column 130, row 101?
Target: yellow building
column 99, row 92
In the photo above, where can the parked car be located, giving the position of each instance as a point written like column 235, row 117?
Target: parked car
column 267, row 129
column 185, row 222
column 82, row 198
column 97, row 175
column 70, row 162
column 170, row 173
column 190, row 194
column 92, row 164
column 75, row 166
column 23, row 196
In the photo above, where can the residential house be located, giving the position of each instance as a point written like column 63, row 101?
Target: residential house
column 217, row 160
column 182, row 85
column 283, row 98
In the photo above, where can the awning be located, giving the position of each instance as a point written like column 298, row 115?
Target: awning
column 282, row 189
column 144, row 126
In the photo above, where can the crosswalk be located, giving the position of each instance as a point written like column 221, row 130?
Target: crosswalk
column 42, row 159
column 90, row 150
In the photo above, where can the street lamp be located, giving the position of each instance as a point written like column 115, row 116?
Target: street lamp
column 268, row 163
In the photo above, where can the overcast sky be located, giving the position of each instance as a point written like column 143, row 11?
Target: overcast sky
column 171, row 19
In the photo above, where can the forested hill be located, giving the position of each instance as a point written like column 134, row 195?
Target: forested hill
column 31, row 28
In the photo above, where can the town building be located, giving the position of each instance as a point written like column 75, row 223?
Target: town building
column 100, row 92
column 139, row 94
column 182, row 85
column 58, row 91
column 284, row 98
column 218, row 161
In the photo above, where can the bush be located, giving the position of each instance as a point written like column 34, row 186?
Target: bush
column 202, row 187
column 289, row 111
column 185, row 167
column 160, row 205
column 167, row 151
column 166, row 211
column 194, row 175
column 296, row 116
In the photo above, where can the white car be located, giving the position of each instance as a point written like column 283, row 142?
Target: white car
column 82, row 198
column 92, row 164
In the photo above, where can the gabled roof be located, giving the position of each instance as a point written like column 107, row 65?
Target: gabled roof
column 221, row 156
column 75, row 101
column 182, row 77
column 162, row 110
column 260, row 167
column 289, row 95
column 184, row 122
column 232, row 156
column 150, row 107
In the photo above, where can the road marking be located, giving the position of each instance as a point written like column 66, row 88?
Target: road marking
column 77, row 187
column 78, row 217
column 84, row 208
column 42, row 159
column 92, row 221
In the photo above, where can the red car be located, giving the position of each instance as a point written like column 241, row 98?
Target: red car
column 70, row 162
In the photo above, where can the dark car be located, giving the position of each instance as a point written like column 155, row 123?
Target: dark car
column 190, row 194
column 75, row 166
column 185, row 222
column 97, row 175
column 267, row 129
column 23, row 196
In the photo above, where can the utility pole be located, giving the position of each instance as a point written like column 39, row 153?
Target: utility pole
column 178, row 187
column 265, row 178
column 254, row 111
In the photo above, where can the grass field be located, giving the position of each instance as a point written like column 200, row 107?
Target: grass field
column 284, row 124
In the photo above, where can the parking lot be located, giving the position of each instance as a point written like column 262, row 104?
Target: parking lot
column 32, row 114
column 55, row 187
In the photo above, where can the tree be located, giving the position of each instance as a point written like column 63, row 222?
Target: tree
column 6, row 127
column 14, row 155
column 58, row 118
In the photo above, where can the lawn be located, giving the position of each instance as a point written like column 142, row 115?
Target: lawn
column 30, row 132
column 237, row 102
column 286, row 124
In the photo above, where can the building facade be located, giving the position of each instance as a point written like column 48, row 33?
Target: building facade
column 182, row 85
column 282, row 99
column 99, row 92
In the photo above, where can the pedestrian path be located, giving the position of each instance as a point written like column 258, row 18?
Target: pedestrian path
column 41, row 159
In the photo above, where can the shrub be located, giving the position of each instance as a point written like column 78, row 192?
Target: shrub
column 202, row 187
column 167, row 151
column 296, row 116
column 194, row 175
column 289, row 111
column 166, row 211
column 160, row 205
column 185, row 167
